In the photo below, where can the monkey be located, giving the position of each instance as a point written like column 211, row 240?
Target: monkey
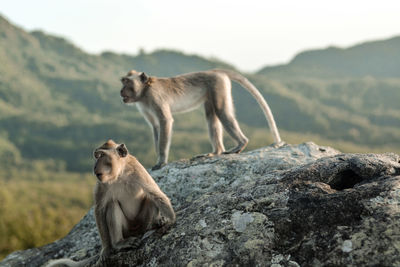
column 158, row 98
column 127, row 201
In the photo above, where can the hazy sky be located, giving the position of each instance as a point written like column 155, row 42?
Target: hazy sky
column 248, row 34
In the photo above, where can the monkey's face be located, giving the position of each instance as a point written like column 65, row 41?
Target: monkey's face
column 109, row 161
column 132, row 86
column 128, row 91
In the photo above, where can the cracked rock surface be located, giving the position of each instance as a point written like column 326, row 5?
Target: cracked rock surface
column 297, row 205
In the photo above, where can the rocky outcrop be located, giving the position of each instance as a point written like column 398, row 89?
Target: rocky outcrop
column 296, row 205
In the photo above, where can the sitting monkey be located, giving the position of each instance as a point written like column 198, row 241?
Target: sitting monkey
column 157, row 98
column 128, row 202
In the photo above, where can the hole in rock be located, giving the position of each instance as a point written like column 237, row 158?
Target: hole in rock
column 345, row 179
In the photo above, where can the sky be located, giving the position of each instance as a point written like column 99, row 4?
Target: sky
column 248, row 34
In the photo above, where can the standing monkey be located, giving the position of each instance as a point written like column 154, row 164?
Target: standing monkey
column 128, row 202
column 158, row 98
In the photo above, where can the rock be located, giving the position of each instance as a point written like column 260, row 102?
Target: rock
column 297, row 205
column 241, row 220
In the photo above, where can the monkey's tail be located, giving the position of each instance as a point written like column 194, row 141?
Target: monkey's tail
column 69, row 263
column 243, row 81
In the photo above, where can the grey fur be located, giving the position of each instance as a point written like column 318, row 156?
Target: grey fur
column 158, row 98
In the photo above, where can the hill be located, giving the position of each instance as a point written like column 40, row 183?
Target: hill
column 58, row 102
column 376, row 58
column 343, row 94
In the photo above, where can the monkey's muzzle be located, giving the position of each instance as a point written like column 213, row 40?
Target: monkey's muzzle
column 99, row 175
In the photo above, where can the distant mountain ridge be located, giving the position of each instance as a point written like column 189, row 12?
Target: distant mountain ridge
column 54, row 96
column 57, row 102
column 375, row 58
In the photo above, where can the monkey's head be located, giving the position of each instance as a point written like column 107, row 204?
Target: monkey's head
column 132, row 86
column 110, row 161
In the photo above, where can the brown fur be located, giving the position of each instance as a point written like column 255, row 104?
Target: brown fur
column 128, row 202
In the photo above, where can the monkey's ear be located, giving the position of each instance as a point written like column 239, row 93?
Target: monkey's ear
column 122, row 150
column 143, row 77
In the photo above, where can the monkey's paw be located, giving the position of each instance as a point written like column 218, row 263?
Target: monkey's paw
column 104, row 254
column 160, row 222
column 158, row 166
column 162, row 229
column 127, row 244
column 280, row 144
column 235, row 150
column 207, row 155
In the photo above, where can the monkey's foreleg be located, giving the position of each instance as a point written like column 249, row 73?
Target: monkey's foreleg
column 110, row 221
column 153, row 122
column 164, row 142
column 101, row 221
column 156, row 132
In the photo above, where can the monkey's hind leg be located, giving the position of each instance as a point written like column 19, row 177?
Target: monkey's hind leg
column 236, row 134
column 227, row 117
column 214, row 129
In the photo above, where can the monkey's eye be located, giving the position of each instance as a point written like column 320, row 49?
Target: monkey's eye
column 98, row 154
column 125, row 80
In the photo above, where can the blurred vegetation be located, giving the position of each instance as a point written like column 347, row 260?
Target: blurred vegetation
column 57, row 103
column 39, row 203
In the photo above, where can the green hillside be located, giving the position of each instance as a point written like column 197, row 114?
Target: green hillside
column 57, row 103
column 362, row 111
column 349, row 95
column 376, row 58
